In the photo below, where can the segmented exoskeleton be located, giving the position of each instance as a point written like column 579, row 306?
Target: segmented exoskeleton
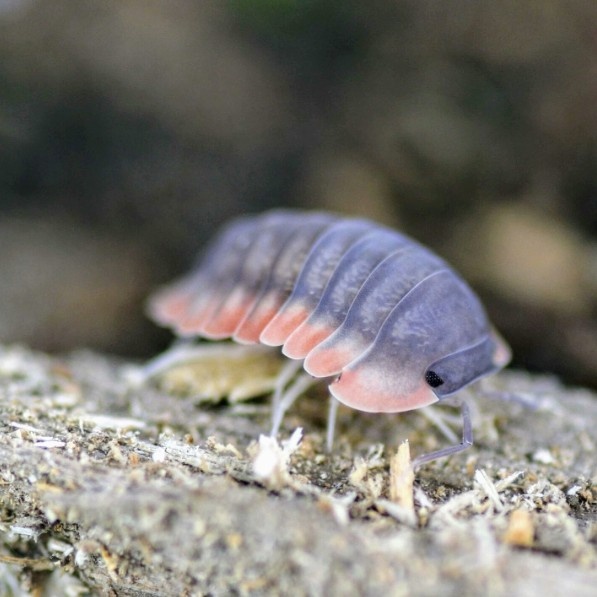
column 390, row 322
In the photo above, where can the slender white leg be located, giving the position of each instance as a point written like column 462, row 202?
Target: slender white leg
column 434, row 417
column 301, row 383
column 180, row 352
column 332, row 413
column 289, row 370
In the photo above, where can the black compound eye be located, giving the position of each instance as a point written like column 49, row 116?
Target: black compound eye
column 433, row 379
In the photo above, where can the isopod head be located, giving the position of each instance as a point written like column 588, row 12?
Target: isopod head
column 456, row 371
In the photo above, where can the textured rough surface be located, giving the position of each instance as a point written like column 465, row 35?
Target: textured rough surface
column 109, row 488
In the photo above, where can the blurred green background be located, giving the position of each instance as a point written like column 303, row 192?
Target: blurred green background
column 130, row 129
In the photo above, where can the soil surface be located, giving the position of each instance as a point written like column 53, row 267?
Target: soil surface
column 111, row 487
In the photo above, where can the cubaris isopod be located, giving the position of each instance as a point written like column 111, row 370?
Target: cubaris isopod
column 390, row 323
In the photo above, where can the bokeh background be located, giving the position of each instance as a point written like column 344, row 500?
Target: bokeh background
column 130, row 129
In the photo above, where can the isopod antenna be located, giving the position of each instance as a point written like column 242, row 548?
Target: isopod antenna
column 467, row 440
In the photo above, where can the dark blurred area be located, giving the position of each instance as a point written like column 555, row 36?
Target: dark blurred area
column 130, row 129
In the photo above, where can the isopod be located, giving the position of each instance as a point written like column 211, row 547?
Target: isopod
column 389, row 322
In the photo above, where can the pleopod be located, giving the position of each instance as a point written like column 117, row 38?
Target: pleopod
column 389, row 323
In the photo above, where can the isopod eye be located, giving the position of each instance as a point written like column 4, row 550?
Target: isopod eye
column 433, row 379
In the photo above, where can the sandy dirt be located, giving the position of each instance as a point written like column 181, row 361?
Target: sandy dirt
column 108, row 487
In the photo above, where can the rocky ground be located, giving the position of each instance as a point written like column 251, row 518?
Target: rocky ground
column 109, row 486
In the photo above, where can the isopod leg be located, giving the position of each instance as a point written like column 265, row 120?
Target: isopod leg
column 286, row 400
column 286, row 374
column 180, row 352
column 467, row 440
column 332, row 413
column 434, row 417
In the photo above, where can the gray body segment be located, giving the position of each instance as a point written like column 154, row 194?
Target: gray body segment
column 436, row 318
column 322, row 261
column 352, row 271
column 346, row 282
column 277, row 285
column 238, row 291
column 397, row 325
column 384, row 288
column 297, row 241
